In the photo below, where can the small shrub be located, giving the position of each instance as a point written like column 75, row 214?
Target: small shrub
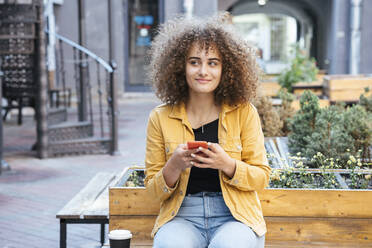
column 365, row 101
column 334, row 131
column 286, row 111
column 270, row 119
column 302, row 69
column 275, row 120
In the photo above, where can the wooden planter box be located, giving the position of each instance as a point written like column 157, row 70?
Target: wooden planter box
column 294, row 217
column 316, row 87
column 269, row 88
column 346, row 88
column 322, row 103
column 296, row 103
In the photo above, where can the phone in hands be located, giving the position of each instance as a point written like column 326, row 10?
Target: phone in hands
column 196, row 144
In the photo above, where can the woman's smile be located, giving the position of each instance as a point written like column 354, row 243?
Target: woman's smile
column 203, row 80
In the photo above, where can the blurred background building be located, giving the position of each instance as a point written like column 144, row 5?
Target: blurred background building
column 334, row 32
column 68, row 60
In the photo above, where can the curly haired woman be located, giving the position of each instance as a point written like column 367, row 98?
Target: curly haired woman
column 206, row 76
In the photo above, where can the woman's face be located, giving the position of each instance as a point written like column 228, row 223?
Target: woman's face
column 203, row 69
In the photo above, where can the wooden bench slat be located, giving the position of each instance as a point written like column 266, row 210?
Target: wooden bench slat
column 297, row 244
column 100, row 207
column 282, row 144
column 76, row 206
column 271, row 149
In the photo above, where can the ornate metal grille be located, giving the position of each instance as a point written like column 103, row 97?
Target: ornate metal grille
column 17, row 51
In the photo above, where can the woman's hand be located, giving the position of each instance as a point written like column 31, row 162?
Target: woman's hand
column 215, row 157
column 181, row 157
column 180, row 160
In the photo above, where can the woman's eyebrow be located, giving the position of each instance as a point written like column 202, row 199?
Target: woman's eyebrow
column 208, row 59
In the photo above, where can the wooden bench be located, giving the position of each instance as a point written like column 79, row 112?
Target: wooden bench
column 89, row 206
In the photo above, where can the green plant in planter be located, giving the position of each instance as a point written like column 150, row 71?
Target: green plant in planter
column 328, row 135
column 302, row 69
column 336, row 132
column 286, row 111
column 357, row 124
column 270, row 119
column 292, row 177
column 300, row 176
column 355, row 179
column 366, row 102
column 303, row 122
column 274, row 120
column 136, row 179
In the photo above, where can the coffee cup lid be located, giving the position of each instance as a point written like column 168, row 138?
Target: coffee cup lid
column 120, row 234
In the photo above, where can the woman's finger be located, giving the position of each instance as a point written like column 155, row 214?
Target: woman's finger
column 189, row 152
column 200, row 165
column 201, row 158
column 206, row 152
column 213, row 147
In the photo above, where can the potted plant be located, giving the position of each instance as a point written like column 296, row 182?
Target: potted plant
column 301, row 69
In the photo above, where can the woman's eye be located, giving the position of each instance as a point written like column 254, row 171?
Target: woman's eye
column 193, row 62
column 213, row 63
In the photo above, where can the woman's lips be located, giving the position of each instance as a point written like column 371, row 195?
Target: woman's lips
column 202, row 80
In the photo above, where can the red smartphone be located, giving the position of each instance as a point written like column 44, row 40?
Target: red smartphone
column 197, row 144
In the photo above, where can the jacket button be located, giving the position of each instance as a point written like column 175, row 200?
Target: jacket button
column 236, row 181
column 181, row 193
column 167, row 149
column 239, row 147
column 165, row 189
column 173, row 213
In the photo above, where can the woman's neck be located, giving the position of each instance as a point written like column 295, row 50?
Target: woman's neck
column 201, row 109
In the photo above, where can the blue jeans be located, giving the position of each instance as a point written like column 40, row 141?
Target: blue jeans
column 203, row 221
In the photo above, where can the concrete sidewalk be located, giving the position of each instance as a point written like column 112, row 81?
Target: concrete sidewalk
column 34, row 190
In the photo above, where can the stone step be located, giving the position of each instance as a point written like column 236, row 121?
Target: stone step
column 70, row 131
column 56, row 115
column 92, row 145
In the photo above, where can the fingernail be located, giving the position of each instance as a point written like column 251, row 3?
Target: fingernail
column 192, row 155
column 192, row 163
column 200, row 148
column 209, row 143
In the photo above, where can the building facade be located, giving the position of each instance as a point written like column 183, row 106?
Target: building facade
column 334, row 32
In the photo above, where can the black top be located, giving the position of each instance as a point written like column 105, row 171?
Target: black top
column 205, row 179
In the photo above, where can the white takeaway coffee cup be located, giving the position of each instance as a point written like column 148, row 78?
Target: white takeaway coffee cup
column 120, row 238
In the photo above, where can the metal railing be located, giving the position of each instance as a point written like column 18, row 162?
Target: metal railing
column 86, row 82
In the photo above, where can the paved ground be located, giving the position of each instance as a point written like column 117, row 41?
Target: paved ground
column 34, row 190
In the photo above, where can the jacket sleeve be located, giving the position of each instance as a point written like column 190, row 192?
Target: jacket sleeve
column 252, row 172
column 155, row 160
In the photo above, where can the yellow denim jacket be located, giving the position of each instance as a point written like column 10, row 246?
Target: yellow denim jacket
column 239, row 134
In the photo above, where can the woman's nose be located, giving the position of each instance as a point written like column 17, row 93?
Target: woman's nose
column 203, row 70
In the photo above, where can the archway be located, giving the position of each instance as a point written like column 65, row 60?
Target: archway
column 274, row 28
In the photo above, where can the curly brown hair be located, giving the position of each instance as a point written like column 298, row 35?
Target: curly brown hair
column 168, row 59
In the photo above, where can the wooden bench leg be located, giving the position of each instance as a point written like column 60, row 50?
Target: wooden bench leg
column 62, row 234
column 102, row 233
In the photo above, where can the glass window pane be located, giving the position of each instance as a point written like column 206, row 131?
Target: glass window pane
column 143, row 20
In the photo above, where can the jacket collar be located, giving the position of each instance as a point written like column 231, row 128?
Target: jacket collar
column 178, row 111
